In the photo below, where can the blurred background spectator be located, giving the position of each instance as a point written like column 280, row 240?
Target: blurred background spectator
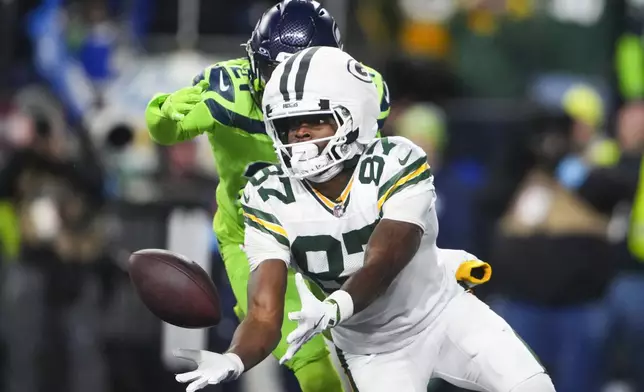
column 531, row 113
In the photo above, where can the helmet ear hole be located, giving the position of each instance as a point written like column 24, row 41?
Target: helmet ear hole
column 352, row 136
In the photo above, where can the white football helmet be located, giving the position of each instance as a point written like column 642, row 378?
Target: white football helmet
column 321, row 81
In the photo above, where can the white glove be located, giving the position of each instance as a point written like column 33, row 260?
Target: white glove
column 212, row 368
column 315, row 317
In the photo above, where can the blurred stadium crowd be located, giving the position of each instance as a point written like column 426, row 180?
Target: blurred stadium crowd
column 531, row 111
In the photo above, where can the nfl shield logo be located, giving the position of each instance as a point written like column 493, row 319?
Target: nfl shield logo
column 338, row 210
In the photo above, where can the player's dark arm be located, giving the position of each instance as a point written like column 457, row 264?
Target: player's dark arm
column 260, row 332
column 391, row 247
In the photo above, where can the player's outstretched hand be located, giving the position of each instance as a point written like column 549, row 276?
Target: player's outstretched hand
column 182, row 101
column 212, row 368
column 314, row 317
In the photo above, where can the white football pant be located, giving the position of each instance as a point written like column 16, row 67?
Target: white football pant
column 468, row 345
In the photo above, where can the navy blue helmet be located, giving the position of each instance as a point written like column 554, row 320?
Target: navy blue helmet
column 287, row 28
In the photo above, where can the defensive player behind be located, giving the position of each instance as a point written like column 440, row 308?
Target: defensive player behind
column 357, row 217
column 225, row 104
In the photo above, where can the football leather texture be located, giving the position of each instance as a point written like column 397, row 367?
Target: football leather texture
column 175, row 289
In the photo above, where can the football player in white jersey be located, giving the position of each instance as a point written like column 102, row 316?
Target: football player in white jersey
column 356, row 216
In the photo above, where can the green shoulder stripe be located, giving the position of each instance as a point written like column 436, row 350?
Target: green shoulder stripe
column 265, row 216
column 278, row 237
column 425, row 175
column 388, row 186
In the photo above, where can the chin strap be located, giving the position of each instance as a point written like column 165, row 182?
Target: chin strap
column 327, row 174
column 306, row 157
column 337, row 168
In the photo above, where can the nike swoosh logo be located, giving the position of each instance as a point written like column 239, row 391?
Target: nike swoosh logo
column 246, row 198
column 404, row 161
column 222, row 85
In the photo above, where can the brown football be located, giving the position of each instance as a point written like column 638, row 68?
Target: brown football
column 175, row 289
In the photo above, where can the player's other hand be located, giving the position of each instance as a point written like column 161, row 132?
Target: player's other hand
column 181, row 102
column 212, row 368
column 314, row 317
column 473, row 273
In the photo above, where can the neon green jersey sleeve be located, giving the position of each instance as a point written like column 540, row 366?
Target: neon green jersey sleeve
column 224, row 103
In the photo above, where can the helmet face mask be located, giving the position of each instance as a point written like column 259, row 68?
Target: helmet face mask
column 316, row 159
column 320, row 87
column 261, row 69
column 285, row 29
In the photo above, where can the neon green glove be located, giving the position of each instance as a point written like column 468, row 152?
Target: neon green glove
column 183, row 101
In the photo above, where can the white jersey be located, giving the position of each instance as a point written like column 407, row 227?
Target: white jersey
column 325, row 239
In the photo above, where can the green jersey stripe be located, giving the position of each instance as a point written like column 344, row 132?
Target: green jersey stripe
column 265, row 216
column 280, row 238
column 424, row 176
column 404, row 172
